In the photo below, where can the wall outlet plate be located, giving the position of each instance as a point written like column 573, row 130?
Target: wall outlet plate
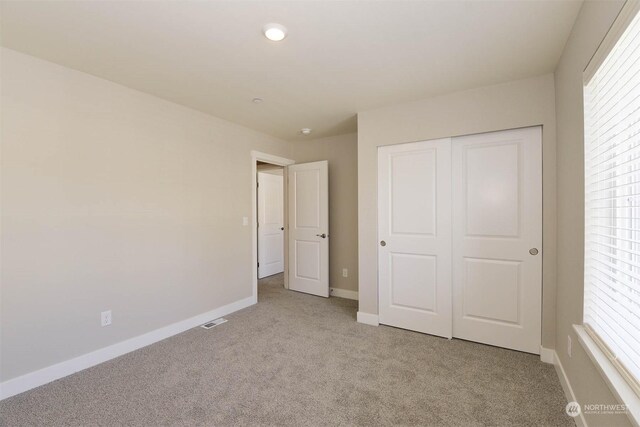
column 105, row 318
column 345, row 272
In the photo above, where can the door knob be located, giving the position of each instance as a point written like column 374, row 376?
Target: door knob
column 282, row 228
column 533, row 251
column 322, row 235
column 383, row 243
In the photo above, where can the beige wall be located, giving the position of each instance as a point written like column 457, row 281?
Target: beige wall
column 113, row 199
column 516, row 104
column 341, row 152
column 594, row 20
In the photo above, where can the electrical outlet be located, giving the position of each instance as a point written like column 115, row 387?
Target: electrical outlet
column 245, row 220
column 105, row 318
column 345, row 272
column 569, row 345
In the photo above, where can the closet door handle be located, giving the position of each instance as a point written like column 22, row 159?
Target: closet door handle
column 533, row 251
column 324, row 236
column 383, row 243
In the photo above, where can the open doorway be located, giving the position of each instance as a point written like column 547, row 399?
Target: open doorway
column 303, row 231
column 263, row 162
column 270, row 214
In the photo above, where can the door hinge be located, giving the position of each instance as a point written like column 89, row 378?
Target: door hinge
column 258, row 264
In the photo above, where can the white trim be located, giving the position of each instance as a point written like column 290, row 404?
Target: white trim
column 343, row 293
column 274, row 160
column 367, row 318
column 59, row 370
column 270, row 158
column 619, row 386
column 568, row 390
column 547, row 355
column 622, row 21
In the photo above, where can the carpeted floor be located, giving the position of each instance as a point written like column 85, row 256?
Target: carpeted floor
column 296, row 359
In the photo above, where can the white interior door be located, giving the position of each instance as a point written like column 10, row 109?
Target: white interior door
column 309, row 227
column 270, row 224
column 497, row 237
column 414, row 256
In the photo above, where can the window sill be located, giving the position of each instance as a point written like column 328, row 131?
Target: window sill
column 616, row 382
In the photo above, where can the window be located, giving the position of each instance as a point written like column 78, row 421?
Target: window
column 612, row 202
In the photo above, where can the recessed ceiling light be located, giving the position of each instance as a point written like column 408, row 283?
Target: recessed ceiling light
column 305, row 131
column 257, row 100
column 275, row 32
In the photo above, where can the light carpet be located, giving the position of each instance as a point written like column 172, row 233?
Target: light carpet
column 298, row 360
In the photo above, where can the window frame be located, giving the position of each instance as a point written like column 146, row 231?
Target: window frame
column 625, row 387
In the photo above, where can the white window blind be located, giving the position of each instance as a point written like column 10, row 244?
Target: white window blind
column 612, row 204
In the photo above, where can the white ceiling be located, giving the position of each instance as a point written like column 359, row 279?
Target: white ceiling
column 340, row 57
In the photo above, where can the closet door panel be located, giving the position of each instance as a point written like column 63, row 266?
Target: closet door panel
column 497, row 221
column 414, row 233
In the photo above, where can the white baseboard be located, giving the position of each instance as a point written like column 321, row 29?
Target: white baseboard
column 51, row 373
column 368, row 318
column 568, row 390
column 344, row 293
column 547, row 355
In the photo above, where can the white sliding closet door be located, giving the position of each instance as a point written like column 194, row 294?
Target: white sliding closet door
column 497, row 238
column 460, row 235
column 414, row 196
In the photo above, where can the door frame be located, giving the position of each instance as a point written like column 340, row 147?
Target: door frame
column 257, row 156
